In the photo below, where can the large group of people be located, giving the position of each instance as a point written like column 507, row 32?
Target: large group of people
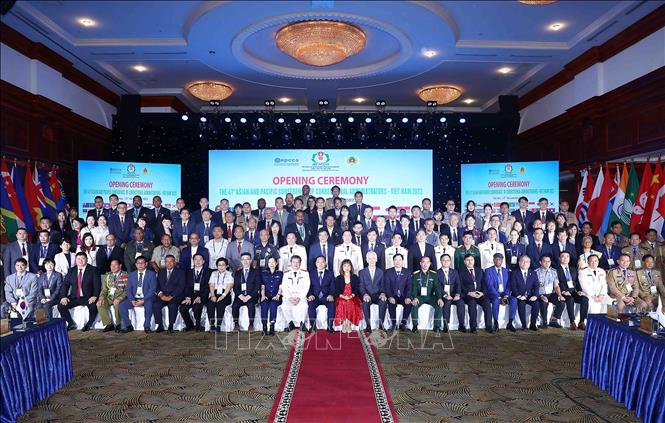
column 309, row 251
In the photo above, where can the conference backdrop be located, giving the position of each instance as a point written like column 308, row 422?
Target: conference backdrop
column 492, row 183
column 386, row 177
column 127, row 179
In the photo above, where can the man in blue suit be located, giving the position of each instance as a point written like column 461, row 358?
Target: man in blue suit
column 542, row 213
column 323, row 248
column 408, row 236
column 610, row 253
column 536, row 249
column 524, row 288
column 473, row 287
column 246, row 283
column 372, row 290
column 497, row 286
column 397, row 283
column 139, row 211
column 121, row 225
column 196, row 293
column 371, row 243
column 182, row 229
column 321, row 292
column 357, row 208
column 452, row 292
column 522, row 214
column 204, row 227
column 301, row 229
column 170, row 292
column 42, row 250
column 141, row 288
column 98, row 210
column 560, row 245
column 188, row 253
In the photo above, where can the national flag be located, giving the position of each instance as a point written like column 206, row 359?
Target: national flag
column 594, row 203
column 11, row 215
column 652, row 193
column 658, row 215
column 33, row 195
column 586, row 188
column 50, row 210
column 629, row 200
column 614, row 187
column 617, row 206
column 58, row 192
column 20, row 194
column 641, row 199
column 22, row 307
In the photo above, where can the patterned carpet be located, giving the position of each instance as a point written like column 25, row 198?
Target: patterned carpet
column 193, row 377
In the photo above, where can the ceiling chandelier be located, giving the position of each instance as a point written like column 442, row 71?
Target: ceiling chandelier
column 210, row 90
column 320, row 43
column 537, row 2
column 442, row 94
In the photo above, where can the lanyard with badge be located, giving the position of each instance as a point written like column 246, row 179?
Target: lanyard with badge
column 197, row 280
column 513, row 254
column 162, row 259
column 423, row 289
column 219, row 288
column 652, row 283
column 47, row 290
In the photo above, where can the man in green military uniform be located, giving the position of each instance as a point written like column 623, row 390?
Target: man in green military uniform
column 113, row 292
column 426, row 290
column 467, row 247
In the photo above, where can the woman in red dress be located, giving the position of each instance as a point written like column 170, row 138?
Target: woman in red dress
column 348, row 310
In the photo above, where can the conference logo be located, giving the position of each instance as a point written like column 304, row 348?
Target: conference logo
column 131, row 168
column 522, row 170
column 509, row 168
column 280, row 161
column 352, row 160
column 145, row 170
column 320, row 158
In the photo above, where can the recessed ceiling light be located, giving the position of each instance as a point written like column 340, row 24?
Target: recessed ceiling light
column 140, row 68
column 359, row 99
column 504, row 70
column 284, row 99
column 429, row 53
column 468, row 100
column 556, row 26
column 87, row 22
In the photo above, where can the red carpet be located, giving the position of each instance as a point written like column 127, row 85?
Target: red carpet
column 333, row 378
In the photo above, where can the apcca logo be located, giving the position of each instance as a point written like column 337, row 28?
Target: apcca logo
column 131, row 168
column 509, row 168
column 320, row 158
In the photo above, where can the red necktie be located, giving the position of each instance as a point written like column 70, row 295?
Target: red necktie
column 239, row 247
column 228, row 232
column 79, row 293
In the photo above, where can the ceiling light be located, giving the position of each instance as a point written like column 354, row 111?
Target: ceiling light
column 312, row 120
column 280, row 120
column 442, row 120
column 389, row 120
column 333, row 119
column 537, row 2
column 462, row 120
column 368, row 120
column 297, row 120
column 284, row 99
column 429, row 53
column 442, row 94
column 184, row 117
column 419, row 120
column 203, row 119
column 350, row 119
column 243, row 120
column 140, row 68
column 261, row 120
column 504, row 70
column 227, row 119
column 468, row 100
column 556, row 26
column 87, row 22
column 210, row 90
column 359, row 99
column 320, row 42
column 405, row 119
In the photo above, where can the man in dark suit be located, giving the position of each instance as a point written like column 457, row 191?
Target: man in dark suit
column 372, row 291
column 322, row 248
column 300, row 228
column 107, row 253
column 473, row 285
column 451, row 287
column 197, row 215
column 367, row 220
column 42, row 250
column 182, row 229
column 188, row 253
column 141, row 288
column 81, row 287
column 45, row 224
column 357, row 208
column 121, row 225
column 398, row 288
column 260, row 211
column 196, row 293
column 157, row 214
column 542, row 213
column 408, row 236
column 266, row 222
column 610, row 253
column 334, row 231
column 522, row 214
column 421, row 248
column 170, row 292
column 561, row 244
column 317, row 219
column 497, row 290
column 569, row 285
column 372, row 243
column 524, row 287
column 536, row 249
column 228, row 226
column 417, row 222
column 139, row 211
column 246, row 283
column 98, row 210
column 20, row 248
column 321, row 292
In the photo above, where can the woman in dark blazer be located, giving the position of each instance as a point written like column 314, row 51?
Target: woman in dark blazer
column 348, row 310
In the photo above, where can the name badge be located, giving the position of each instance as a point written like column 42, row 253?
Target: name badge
column 513, row 260
column 162, row 262
column 446, row 289
column 243, row 286
column 610, row 261
column 629, row 288
column 423, row 291
column 13, row 315
column 455, row 244
column 112, row 291
column 500, row 287
column 638, row 264
column 41, row 261
column 47, row 292
column 139, row 292
column 653, row 289
column 184, row 237
column 197, row 286
column 262, row 263
column 19, row 292
column 570, row 284
column 220, row 290
column 206, row 238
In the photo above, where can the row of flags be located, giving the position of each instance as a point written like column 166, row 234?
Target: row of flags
column 28, row 194
column 639, row 204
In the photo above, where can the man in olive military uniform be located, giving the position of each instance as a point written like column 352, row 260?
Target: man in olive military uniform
column 112, row 294
column 622, row 285
column 426, row 290
column 650, row 281
column 634, row 252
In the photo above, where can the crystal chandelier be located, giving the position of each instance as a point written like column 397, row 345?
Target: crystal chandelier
column 442, row 94
column 320, row 43
column 210, row 90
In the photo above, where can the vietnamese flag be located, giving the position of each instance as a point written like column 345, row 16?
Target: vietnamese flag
column 641, row 199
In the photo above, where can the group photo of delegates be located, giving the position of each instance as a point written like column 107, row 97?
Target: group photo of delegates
column 305, row 251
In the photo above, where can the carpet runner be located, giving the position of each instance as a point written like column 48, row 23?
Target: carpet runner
column 333, row 378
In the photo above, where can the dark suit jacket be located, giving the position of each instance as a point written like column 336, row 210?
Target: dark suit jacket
column 615, row 252
column 412, row 225
column 467, row 281
column 292, row 227
column 326, row 288
column 190, row 279
column 186, row 256
column 380, row 251
column 176, row 284
column 11, row 253
column 354, row 212
column 518, row 217
column 91, row 284
column 415, row 255
column 335, row 237
column 532, row 252
column 409, row 240
column 519, row 287
column 517, row 250
column 142, row 212
column 253, row 282
column 371, row 286
column 572, row 269
column 315, row 251
column 393, row 284
column 536, row 215
column 34, row 255
column 93, row 212
column 122, row 234
column 339, row 285
column 556, row 250
column 314, row 221
column 177, row 232
column 262, row 225
column 454, row 281
column 156, row 221
column 225, row 230
column 104, row 263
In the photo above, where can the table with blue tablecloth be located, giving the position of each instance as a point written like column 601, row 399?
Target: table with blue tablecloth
column 33, row 365
column 628, row 364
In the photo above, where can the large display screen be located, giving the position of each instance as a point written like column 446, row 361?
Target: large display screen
column 492, row 183
column 386, row 177
column 127, row 179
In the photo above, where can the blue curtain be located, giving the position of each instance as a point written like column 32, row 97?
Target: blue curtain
column 628, row 364
column 33, row 365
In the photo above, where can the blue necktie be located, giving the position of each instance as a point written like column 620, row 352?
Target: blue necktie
column 320, row 284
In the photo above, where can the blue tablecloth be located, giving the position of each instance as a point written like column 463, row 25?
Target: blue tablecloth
column 33, row 365
column 628, row 364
